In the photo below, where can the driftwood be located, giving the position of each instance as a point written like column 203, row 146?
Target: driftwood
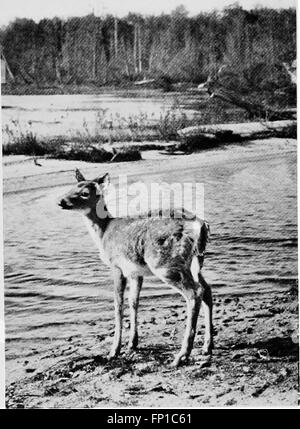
column 254, row 109
column 243, row 131
column 215, row 88
column 207, row 137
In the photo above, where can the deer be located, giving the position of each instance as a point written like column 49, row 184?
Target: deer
column 170, row 248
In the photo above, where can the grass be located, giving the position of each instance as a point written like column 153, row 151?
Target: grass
column 29, row 144
column 144, row 126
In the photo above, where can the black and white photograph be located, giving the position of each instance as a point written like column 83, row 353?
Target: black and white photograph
column 149, row 206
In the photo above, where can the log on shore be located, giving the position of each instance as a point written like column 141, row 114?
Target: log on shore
column 203, row 137
column 245, row 130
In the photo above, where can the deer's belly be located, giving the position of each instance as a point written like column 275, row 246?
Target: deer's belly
column 131, row 269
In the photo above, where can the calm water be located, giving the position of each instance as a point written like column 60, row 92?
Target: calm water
column 67, row 115
column 55, row 285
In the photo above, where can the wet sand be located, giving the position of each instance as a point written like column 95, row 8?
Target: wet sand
column 255, row 361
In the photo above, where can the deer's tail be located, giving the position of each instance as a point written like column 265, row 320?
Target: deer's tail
column 202, row 242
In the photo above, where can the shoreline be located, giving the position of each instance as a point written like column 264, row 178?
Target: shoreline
column 254, row 362
column 59, row 172
column 94, row 89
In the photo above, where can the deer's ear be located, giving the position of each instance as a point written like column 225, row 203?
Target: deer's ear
column 103, row 181
column 79, row 176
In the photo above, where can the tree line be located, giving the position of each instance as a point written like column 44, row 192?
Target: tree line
column 110, row 50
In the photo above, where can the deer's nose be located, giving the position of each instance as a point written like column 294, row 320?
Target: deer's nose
column 63, row 204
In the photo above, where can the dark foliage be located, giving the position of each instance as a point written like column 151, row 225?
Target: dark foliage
column 171, row 48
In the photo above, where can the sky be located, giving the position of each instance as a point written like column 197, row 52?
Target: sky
column 38, row 9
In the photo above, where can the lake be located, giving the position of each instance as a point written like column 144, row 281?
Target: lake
column 69, row 115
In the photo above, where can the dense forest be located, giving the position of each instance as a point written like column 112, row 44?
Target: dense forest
column 108, row 50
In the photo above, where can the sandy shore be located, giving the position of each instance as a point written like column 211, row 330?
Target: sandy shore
column 21, row 174
column 254, row 363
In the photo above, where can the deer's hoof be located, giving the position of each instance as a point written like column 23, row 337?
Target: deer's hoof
column 113, row 354
column 207, row 349
column 179, row 359
column 133, row 342
column 132, row 347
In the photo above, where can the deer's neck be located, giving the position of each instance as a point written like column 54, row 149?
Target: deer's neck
column 97, row 223
column 96, row 227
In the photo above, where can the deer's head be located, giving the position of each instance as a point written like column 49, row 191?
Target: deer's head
column 86, row 195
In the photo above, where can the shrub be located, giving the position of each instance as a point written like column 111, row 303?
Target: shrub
column 28, row 144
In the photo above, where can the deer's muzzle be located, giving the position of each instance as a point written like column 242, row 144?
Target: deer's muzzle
column 65, row 205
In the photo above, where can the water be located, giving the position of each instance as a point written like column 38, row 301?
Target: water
column 69, row 115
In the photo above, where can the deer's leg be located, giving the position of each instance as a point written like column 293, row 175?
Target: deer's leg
column 193, row 301
column 119, row 287
column 192, row 291
column 207, row 309
column 135, row 285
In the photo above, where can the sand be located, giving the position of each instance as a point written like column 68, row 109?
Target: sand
column 254, row 363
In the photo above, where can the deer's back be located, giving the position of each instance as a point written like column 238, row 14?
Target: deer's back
column 135, row 244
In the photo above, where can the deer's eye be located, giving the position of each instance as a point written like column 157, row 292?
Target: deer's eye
column 85, row 194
